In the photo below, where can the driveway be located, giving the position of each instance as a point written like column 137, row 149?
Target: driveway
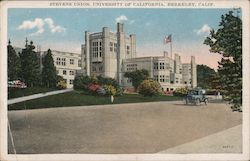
column 124, row 128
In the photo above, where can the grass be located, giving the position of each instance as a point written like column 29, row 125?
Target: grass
column 19, row 92
column 77, row 98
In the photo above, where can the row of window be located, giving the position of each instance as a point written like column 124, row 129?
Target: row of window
column 64, row 72
column 113, row 47
column 62, row 62
column 94, row 69
column 71, row 81
column 162, row 66
column 97, row 43
column 163, row 78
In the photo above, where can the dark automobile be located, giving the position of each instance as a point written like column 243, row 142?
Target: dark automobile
column 196, row 96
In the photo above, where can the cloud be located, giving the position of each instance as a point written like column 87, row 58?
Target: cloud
column 121, row 19
column 205, row 29
column 53, row 28
column 39, row 24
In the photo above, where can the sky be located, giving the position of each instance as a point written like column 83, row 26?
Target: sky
column 63, row 29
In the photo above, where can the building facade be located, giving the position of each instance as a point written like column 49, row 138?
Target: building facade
column 170, row 73
column 66, row 64
column 112, row 54
column 104, row 52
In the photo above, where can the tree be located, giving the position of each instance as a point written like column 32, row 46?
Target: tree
column 204, row 74
column 149, row 87
column 137, row 76
column 30, row 65
column 14, row 64
column 227, row 41
column 49, row 71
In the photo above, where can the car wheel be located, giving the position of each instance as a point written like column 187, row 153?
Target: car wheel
column 197, row 102
column 206, row 101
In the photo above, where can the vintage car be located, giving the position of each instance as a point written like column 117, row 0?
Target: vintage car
column 196, row 96
column 16, row 84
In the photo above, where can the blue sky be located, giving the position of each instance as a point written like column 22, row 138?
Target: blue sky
column 63, row 29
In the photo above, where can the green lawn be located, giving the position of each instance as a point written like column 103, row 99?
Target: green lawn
column 77, row 98
column 19, row 92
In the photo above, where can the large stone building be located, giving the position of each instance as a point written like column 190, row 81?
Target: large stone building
column 112, row 54
column 66, row 64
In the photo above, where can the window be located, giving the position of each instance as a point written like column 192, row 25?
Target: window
column 57, row 71
column 155, row 65
column 58, row 61
column 162, row 65
column 93, row 69
column 64, row 72
column 100, row 54
column 111, row 46
column 128, row 49
column 71, row 81
column 71, row 61
column 156, row 77
column 100, row 68
column 79, row 63
column 63, row 61
column 71, row 72
column 115, row 47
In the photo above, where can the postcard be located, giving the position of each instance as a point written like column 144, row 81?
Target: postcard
column 124, row 80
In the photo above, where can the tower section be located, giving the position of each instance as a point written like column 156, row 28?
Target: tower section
column 193, row 73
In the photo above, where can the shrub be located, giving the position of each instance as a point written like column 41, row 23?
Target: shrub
column 110, row 90
column 149, row 88
column 107, row 81
column 180, row 91
column 61, row 84
column 92, row 88
column 119, row 91
column 82, row 82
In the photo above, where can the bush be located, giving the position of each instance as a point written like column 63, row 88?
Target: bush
column 82, row 82
column 61, row 84
column 110, row 90
column 180, row 91
column 119, row 91
column 93, row 88
column 149, row 88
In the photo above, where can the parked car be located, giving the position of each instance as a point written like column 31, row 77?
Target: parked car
column 196, row 96
column 16, row 84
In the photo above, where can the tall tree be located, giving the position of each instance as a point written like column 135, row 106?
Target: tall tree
column 227, row 41
column 14, row 64
column 137, row 76
column 30, row 65
column 204, row 74
column 49, row 71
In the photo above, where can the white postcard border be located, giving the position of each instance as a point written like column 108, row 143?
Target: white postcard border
column 46, row 157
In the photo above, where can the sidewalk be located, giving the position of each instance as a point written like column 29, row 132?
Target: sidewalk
column 35, row 96
column 227, row 141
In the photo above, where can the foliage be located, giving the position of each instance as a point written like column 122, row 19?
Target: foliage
column 119, row 91
column 137, row 76
column 14, row 64
column 204, row 75
column 82, row 82
column 92, row 88
column 30, row 72
column 149, row 87
column 61, row 83
column 107, row 81
column 49, row 71
column 227, row 41
column 110, row 90
column 180, row 91
column 214, row 92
